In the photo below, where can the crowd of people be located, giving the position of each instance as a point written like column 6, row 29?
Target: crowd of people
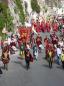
column 47, row 25
column 53, row 45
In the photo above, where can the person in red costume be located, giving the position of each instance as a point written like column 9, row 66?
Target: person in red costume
column 42, row 26
column 48, row 26
column 55, row 26
column 39, row 41
column 46, row 40
column 38, row 29
column 51, row 54
column 48, row 47
column 54, row 39
column 34, row 23
column 46, row 50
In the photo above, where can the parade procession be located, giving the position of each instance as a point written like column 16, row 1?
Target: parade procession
column 31, row 42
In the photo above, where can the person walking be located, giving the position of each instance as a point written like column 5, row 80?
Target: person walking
column 5, row 57
column 22, row 49
column 58, row 51
column 28, row 58
column 39, row 42
column 50, row 56
column 35, row 51
column 62, row 59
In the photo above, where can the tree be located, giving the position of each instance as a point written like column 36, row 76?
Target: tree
column 9, row 22
column 21, row 12
column 35, row 6
column 2, row 22
column 3, row 16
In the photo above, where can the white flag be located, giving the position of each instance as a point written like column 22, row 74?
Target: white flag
column 34, row 30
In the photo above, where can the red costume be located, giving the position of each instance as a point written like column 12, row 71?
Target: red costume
column 45, row 41
column 46, row 49
column 55, row 26
column 39, row 40
column 48, row 26
column 54, row 40
column 38, row 29
column 42, row 26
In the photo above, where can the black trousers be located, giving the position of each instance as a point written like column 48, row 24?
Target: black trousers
column 50, row 62
column 63, row 64
column 27, row 64
column 1, row 71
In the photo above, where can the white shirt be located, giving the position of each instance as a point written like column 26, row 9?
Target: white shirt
column 59, row 51
column 61, row 43
column 28, row 47
column 9, row 41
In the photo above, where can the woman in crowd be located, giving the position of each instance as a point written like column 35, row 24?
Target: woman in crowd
column 5, row 57
column 28, row 58
column 22, row 49
column 58, row 51
column 46, row 40
column 35, row 51
column 62, row 58
column 39, row 42
column 54, row 39
column 48, row 26
column 51, row 54
column 61, row 43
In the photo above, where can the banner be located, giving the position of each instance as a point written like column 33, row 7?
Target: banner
column 25, row 33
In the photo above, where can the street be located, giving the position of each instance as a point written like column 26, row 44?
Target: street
column 39, row 73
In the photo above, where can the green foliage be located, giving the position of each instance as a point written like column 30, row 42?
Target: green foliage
column 3, row 16
column 9, row 22
column 35, row 6
column 15, row 10
column 2, row 22
column 3, row 6
column 21, row 12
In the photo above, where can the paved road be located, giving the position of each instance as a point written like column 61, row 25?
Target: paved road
column 39, row 73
